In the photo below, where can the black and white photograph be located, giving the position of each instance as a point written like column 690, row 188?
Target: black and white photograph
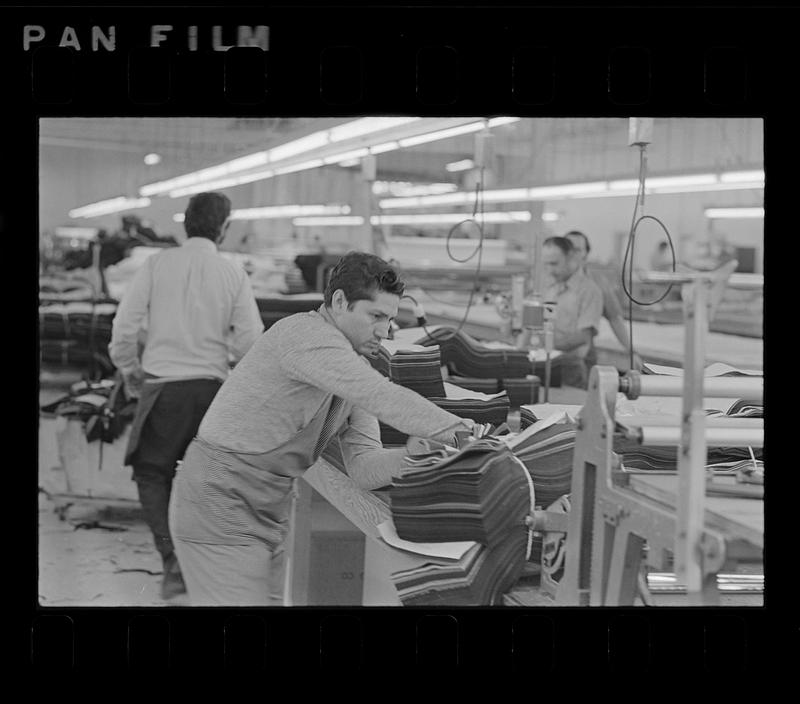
column 401, row 361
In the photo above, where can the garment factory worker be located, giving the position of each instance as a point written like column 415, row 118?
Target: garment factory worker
column 578, row 307
column 612, row 310
column 199, row 313
column 306, row 381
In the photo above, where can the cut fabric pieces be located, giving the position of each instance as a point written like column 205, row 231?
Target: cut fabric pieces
column 493, row 411
column 479, row 578
column 480, row 494
column 416, row 367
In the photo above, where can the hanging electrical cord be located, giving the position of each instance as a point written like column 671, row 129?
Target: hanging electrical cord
column 477, row 210
column 627, row 260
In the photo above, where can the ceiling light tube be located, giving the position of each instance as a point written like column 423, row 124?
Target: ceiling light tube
column 739, row 176
column 385, row 147
column 566, row 190
column 714, row 213
column 350, row 162
column 548, row 216
column 287, row 211
column 345, row 220
column 203, row 187
column 81, row 233
column 691, row 180
column 441, row 134
column 298, row 146
column 498, row 121
column 302, row 166
column 462, row 165
column 105, row 207
column 367, row 125
column 451, row 218
column 345, row 156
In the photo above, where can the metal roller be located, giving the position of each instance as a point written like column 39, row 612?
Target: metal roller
column 715, row 437
column 634, row 384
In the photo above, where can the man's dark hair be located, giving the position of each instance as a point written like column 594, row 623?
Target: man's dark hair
column 578, row 233
column 205, row 215
column 562, row 243
column 360, row 276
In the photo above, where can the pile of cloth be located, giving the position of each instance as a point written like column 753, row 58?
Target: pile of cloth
column 101, row 405
column 416, row 367
column 76, row 333
column 481, row 493
column 486, row 366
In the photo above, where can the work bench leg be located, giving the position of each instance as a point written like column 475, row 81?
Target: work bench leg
column 297, row 554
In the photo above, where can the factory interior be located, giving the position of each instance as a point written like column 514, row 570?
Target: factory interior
column 587, row 292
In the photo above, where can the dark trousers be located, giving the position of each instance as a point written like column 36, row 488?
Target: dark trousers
column 166, row 429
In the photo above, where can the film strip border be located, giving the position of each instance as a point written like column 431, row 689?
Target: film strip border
column 448, row 59
column 676, row 641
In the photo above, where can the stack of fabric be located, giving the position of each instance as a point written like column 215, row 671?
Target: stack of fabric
column 492, row 411
column 413, row 366
column 478, row 578
column 477, row 494
column 467, row 357
column 483, row 494
column 76, row 333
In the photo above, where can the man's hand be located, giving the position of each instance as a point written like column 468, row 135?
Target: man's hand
column 133, row 383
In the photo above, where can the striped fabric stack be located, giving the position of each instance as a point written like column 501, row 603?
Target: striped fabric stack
column 481, row 494
column 413, row 366
column 76, row 333
column 465, row 356
column 477, row 494
column 548, row 456
column 479, row 578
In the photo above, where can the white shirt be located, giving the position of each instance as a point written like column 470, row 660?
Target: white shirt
column 197, row 308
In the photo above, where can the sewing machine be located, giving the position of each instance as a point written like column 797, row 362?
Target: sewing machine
column 619, row 521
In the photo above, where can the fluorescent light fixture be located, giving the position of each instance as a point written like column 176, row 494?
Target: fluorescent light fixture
column 462, row 165
column 498, row 121
column 508, row 195
column 81, row 233
column 345, row 220
column 298, row 146
column 403, row 189
column 385, row 147
column 367, row 125
column 441, row 134
column 451, row 218
column 302, row 166
column 691, row 180
column 205, row 186
column 105, row 207
column 350, row 162
column 254, row 176
column 714, row 213
column 345, row 156
column 740, row 176
column 287, row 211
column 550, row 216
column 566, row 190
column 152, row 159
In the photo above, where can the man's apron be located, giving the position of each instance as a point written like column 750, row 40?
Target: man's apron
column 223, row 497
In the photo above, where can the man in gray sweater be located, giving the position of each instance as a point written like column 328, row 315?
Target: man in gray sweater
column 304, row 382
